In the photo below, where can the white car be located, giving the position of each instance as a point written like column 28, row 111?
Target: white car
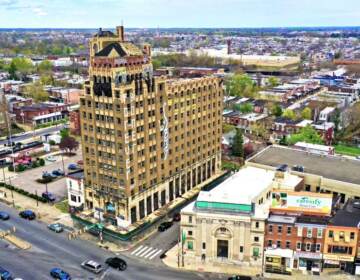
column 51, row 158
column 92, row 266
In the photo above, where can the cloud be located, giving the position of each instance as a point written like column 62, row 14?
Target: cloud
column 39, row 11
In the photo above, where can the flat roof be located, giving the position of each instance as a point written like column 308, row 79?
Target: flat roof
column 331, row 167
column 349, row 216
column 240, row 188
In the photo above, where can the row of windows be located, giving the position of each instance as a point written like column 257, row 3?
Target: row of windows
column 299, row 246
column 309, row 231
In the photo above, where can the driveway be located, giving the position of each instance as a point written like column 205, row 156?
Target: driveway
column 27, row 180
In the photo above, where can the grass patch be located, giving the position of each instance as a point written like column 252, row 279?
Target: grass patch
column 63, row 206
column 347, row 150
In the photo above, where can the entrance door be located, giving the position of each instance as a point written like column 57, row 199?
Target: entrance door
column 308, row 265
column 222, row 248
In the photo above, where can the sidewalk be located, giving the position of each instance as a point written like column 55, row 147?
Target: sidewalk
column 171, row 260
column 45, row 212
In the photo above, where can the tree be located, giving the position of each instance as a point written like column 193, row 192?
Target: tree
column 307, row 134
column 69, row 144
column 45, row 67
column 273, row 81
column 243, row 108
column 64, row 133
column 21, row 66
column 259, row 129
column 290, row 114
column 248, row 149
column 228, row 127
column 237, row 146
column 306, row 113
column 276, row 110
column 240, row 85
column 36, row 91
column 47, row 79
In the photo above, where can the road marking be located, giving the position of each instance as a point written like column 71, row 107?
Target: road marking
column 154, row 255
column 145, row 252
column 150, row 253
column 104, row 274
column 137, row 249
column 142, row 250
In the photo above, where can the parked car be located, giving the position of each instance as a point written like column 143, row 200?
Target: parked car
column 48, row 175
column 51, row 158
column 177, row 217
column 4, row 215
column 27, row 214
column 116, row 263
column 239, row 277
column 58, row 273
column 164, row 226
column 4, row 274
column 56, row 227
column 58, row 172
column 73, row 166
column 92, row 266
column 48, row 196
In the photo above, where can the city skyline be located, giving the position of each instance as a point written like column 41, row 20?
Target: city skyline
column 168, row 13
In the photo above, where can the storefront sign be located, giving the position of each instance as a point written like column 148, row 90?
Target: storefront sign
column 341, row 258
column 302, row 201
column 308, row 255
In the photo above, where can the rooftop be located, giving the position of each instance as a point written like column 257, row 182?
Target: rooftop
column 349, row 216
column 331, row 167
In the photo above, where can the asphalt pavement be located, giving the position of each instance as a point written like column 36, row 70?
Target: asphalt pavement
column 30, row 134
column 51, row 249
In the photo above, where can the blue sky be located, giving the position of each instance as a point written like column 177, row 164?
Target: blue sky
column 178, row 13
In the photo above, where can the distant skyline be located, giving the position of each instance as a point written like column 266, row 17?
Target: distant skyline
column 177, row 13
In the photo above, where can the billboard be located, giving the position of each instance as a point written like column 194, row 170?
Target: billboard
column 302, row 202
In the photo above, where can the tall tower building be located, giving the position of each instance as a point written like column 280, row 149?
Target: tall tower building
column 146, row 140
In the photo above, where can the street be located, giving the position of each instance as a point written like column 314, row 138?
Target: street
column 30, row 134
column 50, row 250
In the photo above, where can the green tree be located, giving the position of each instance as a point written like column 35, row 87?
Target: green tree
column 306, row 113
column 12, row 71
column 273, row 81
column 240, row 85
column 47, row 80
column 290, row 114
column 36, row 91
column 244, row 108
column 64, row 133
column 307, row 134
column 276, row 110
column 45, row 67
column 21, row 66
column 228, row 127
column 238, row 144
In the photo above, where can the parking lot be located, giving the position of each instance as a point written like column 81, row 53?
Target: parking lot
column 27, row 180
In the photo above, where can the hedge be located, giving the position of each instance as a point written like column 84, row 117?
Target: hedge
column 23, row 192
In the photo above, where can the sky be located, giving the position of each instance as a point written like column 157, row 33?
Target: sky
column 178, row 13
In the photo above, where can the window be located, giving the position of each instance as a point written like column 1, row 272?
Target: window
column 257, row 224
column 331, row 233
column 309, row 232
column 73, row 198
column 241, row 249
column 319, row 232
column 288, row 230
column 256, row 252
column 190, row 232
column 298, row 245
column 278, row 244
column 279, row 229
column 269, row 243
column 318, row 247
column 270, row 228
column 308, row 246
column 204, row 245
column 352, row 235
column 256, row 238
column 307, row 188
column 190, row 219
column 190, row 245
column 288, row 243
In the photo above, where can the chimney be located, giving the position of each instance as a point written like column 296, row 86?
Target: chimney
column 120, row 32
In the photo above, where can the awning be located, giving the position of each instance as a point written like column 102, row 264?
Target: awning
column 308, row 255
column 284, row 253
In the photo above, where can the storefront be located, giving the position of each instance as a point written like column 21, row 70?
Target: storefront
column 308, row 261
column 279, row 261
column 345, row 263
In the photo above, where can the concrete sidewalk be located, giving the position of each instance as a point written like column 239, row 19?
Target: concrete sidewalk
column 171, row 260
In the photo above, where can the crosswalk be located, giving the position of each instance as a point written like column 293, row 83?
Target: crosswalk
column 146, row 252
